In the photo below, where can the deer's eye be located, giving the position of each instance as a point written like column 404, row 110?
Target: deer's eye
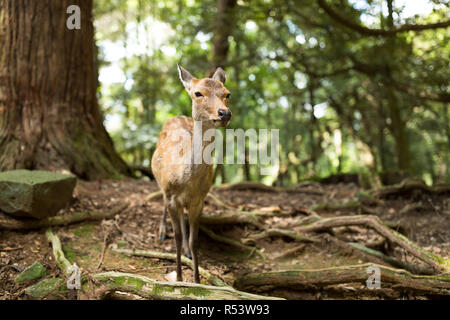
column 198, row 94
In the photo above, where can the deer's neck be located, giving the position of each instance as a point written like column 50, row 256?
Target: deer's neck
column 202, row 129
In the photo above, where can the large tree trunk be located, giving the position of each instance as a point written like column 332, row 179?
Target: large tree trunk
column 398, row 126
column 222, row 30
column 49, row 116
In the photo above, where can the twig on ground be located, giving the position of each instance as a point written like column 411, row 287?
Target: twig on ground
column 172, row 257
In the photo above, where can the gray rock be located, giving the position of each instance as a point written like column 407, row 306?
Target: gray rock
column 37, row 194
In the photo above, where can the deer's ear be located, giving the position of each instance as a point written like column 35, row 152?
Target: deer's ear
column 219, row 75
column 185, row 77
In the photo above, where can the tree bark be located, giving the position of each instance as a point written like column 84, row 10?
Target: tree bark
column 222, row 30
column 49, row 116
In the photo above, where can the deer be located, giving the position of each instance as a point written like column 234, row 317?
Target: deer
column 184, row 182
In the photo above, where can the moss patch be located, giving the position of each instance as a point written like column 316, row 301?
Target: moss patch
column 85, row 230
column 33, row 272
column 198, row 292
column 44, row 287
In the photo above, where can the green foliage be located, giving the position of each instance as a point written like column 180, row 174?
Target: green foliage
column 344, row 101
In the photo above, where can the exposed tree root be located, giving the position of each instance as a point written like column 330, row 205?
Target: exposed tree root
column 439, row 264
column 145, row 287
column 282, row 233
column 60, row 258
column 290, row 252
column 247, row 185
column 235, row 217
column 321, row 278
column 154, row 196
column 158, row 290
column 173, row 257
column 386, row 258
column 258, row 186
column 231, row 242
column 408, row 186
column 9, row 223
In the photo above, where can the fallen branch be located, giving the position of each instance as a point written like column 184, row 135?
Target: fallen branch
column 9, row 223
column 438, row 263
column 173, row 257
column 308, row 279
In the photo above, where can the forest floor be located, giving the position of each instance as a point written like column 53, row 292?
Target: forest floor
column 424, row 218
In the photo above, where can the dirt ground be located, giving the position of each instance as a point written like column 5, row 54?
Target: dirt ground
column 424, row 218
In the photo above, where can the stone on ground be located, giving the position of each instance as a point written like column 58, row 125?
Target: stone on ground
column 33, row 272
column 36, row 194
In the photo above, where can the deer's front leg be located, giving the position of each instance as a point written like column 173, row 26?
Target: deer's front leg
column 175, row 212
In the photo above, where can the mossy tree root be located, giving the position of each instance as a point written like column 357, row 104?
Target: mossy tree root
column 306, row 279
column 159, row 290
column 142, row 286
column 9, row 223
column 58, row 253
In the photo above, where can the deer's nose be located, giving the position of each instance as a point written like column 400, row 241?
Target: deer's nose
column 224, row 115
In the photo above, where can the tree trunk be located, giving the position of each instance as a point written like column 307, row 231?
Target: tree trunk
column 398, row 126
column 49, row 116
column 222, row 30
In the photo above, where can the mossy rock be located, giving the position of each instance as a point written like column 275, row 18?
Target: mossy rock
column 33, row 272
column 44, row 287
column 36, row 194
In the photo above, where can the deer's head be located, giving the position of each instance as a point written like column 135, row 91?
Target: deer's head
column 209, row 97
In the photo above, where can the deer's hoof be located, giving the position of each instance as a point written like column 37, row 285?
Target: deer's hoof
column 162, row 237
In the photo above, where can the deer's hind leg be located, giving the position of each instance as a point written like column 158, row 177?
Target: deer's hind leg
column 162, row 225
column 185, row 232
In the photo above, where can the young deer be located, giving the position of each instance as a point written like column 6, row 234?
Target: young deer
column 185, row 182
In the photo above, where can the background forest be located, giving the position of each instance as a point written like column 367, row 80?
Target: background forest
column 353, row 86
